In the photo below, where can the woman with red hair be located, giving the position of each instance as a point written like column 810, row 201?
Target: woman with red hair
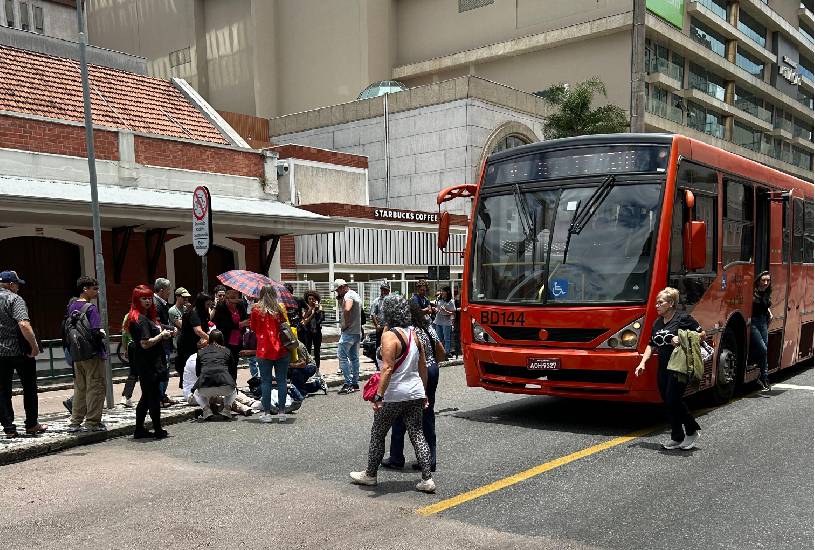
column 146, row 351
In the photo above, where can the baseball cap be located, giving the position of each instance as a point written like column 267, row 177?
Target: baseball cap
column 10, row 277
column 386, row 285
column 181, row 291
column 338, row 283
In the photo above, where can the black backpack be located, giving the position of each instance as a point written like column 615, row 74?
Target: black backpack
column 78, row 336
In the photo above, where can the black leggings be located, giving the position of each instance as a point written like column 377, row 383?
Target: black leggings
column 313, row 341
column 150, row 400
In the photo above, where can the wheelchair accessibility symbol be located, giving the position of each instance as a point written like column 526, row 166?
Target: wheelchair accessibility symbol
column 559, row 288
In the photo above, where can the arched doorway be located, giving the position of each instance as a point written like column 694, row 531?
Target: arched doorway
column 50, row 268
column 188, row 267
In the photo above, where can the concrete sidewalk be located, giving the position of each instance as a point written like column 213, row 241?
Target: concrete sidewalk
column 121, row 421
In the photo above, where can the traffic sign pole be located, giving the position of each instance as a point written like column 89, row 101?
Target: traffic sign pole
column 202, row 230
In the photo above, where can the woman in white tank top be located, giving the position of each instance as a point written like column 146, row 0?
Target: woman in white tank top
column 401, row 393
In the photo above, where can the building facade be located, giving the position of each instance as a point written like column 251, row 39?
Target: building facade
column 55, row 18
column 734, row 73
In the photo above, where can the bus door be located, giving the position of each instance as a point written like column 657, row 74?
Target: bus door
column 772, row 254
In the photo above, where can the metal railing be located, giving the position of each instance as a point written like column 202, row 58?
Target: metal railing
column 51, row 364
column 781, row 123
column 664, row 110
column 656, row 64
column 748, row 106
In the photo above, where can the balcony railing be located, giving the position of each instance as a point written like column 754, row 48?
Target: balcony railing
column 714, row 7
column 782, row 124
column 757, row 111
column 664, row 110
column 664, row 66
column 803, row 133
column 805, row 100
column 712, row 89
column 710, row 128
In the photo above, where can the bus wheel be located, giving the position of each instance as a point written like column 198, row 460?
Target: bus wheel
column 726, row 368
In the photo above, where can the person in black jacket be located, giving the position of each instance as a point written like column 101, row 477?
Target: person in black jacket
column 313, row 318
column 147, row 353
column 214, row 366
column 231, row 318
column 759, row 323
column 194, row 328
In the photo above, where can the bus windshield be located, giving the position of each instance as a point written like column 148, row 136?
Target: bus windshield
column 529, row 249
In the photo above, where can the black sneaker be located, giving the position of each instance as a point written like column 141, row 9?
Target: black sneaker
column 761, row 385
column 354, row 387
column 345, row 389
column 766, row 387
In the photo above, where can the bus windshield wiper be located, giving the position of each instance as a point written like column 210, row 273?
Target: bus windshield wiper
column 523, row 210
column 586, row 210
column 584, row 214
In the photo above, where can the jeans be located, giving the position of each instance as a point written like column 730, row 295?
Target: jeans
column 445, row 334
column 253, row 366
column 672, row 390
column 397, row 452
column 348, row 354
column 280, row 366
column 26, row 368
column 299, row 377
column 758, row 332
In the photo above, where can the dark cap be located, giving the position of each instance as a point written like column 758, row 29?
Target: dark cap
column 10, row 277
column 386, row 285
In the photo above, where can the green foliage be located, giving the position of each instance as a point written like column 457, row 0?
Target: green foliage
column 573, row 115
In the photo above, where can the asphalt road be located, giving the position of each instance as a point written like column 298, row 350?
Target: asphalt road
column 244, row 484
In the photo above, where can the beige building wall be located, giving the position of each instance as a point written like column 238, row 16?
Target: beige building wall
column 433, row 28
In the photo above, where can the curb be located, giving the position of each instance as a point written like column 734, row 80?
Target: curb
column 182, row 414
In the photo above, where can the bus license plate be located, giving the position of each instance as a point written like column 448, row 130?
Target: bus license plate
column 536, row 363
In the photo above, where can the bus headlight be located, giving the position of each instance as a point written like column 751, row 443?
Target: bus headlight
column 481, row 336
column 626, row 338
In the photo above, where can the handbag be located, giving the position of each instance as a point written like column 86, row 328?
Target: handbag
column 372, row 385
column 287, row 337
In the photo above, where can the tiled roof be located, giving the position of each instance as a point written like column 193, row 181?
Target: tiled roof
column 51, row 87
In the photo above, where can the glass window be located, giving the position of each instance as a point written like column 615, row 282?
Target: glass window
column 805, row 98
column 750, row 64
column 754, row 30
column 702, row 181
column 805, row 67
column 509, row 142
column 9, row 13
column 801, row 129
column 707, row 82
column 705, row 121
column 737, row 241
column 809, row 242
column 25, row 24
column 797, row 230
column 39, row 23
column 719, row 7
column 806, row 32
column 745, row 136
column 749, row 103
column 707, row 38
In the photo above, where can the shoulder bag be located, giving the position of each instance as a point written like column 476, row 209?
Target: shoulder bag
column 372, row 385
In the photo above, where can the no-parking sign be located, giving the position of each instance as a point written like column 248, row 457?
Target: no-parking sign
column 201, row 220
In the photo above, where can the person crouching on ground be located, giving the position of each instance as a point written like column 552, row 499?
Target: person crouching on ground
column 146, row 351
column 243, row 404
column 401, row 393
column 212, row 366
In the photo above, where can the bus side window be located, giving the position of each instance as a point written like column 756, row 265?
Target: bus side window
column 797, row 231
column 807, row 252
column 737, row 241
column 702, row 181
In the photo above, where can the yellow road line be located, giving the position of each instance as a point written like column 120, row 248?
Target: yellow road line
column 526, row 474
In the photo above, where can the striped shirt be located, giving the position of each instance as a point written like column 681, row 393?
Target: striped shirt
column 12, row 310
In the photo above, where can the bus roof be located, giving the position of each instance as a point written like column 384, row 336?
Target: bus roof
column 688, row 147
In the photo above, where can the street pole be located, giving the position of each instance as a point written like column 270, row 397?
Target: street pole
column 204, row 275
column 385, row 122
column 97, row 223
column 638, row 68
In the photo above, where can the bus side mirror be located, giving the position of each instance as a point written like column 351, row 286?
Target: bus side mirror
column 694, row 237
column 690, row 199
column 444, row 230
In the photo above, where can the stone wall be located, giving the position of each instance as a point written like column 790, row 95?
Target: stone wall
column 430, row 148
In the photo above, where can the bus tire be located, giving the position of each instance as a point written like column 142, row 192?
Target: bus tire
column 727, row 368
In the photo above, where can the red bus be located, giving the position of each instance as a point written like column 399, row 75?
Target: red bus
column 570, row 240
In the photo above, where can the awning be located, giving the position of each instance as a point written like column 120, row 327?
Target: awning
column 50, row 202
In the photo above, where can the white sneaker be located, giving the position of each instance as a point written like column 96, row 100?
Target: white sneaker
column 671, row 444
column 127, row 402
column 689, row 441
column 281, row 418
column 361, row 478
column 426, row 486
column 266, row 418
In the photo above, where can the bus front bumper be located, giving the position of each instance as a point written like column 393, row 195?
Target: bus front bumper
column 587, row 374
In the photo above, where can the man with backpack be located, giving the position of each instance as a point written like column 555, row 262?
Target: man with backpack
column 83, row 335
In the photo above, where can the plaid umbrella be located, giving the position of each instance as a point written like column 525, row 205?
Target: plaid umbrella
column 249, row 283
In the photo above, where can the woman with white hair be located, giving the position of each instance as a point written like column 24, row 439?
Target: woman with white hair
column 401, row 393
column 265, row 320
column 664, row 338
